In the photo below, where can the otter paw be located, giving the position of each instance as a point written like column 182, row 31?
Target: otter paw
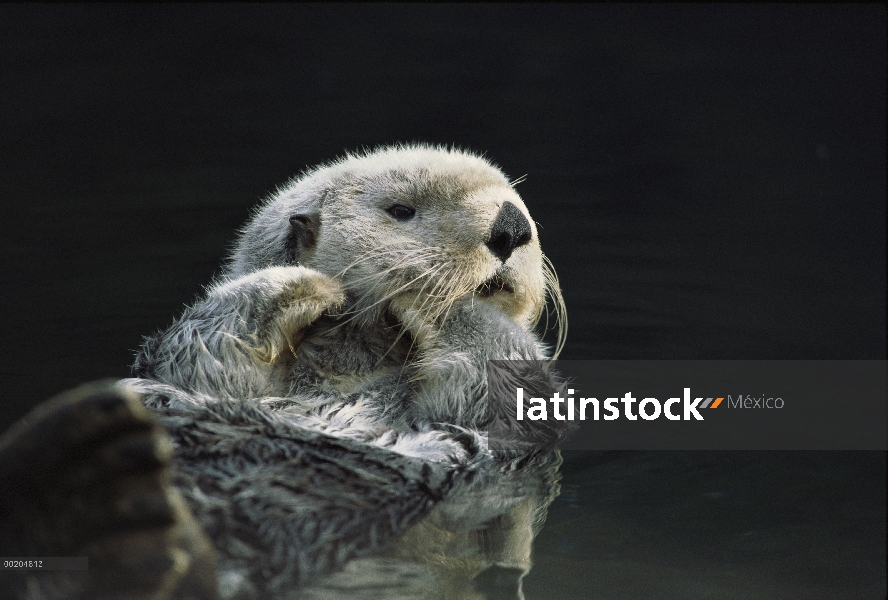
column 406, row 308
column 86, row 475
column 468, row 321
column 309, row 294
column 304, row 295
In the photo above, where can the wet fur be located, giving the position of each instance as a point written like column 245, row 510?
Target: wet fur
column 335, row 318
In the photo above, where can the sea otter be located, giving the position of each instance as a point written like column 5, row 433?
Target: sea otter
column 327, row 398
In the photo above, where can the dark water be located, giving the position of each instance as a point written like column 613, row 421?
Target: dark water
column 709, row 182
column 715, row 525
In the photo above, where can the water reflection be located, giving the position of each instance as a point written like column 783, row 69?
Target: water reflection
column 474, row 545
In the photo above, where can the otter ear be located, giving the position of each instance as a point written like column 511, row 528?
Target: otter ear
column 302, row 236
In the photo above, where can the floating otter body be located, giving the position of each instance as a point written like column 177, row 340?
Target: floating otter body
column 367, row 279
column 327, row 398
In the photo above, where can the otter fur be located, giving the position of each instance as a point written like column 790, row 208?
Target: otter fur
column 394, row 315
column 327, row 397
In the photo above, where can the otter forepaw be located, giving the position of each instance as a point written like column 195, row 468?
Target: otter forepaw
column 407, row 310
column 305, row 295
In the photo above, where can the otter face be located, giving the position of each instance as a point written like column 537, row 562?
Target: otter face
column 433, row 237
column 426, row 224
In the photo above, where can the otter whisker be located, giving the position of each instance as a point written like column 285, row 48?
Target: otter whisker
column 379, row 277
column 553, row 291
column 447, row 291
column 416, row 259
column 383, row 251
column 391, row 295
column 404, row 330
column 402, row 263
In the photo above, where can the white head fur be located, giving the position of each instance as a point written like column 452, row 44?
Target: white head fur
column 336, row 219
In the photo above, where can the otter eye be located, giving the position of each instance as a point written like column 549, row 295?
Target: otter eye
column 401, row 212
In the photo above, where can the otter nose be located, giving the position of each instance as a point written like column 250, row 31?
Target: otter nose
column 510, row 230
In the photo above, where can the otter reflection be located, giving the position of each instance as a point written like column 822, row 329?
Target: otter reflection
column 476, row 545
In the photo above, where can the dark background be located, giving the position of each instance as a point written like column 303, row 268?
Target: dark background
column 709, row 180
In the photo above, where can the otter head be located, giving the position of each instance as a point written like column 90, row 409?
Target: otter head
column 428, row 224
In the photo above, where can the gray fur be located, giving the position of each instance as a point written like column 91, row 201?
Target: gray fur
column 328, row 393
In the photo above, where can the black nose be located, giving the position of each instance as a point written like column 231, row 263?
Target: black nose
column 510, row 230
